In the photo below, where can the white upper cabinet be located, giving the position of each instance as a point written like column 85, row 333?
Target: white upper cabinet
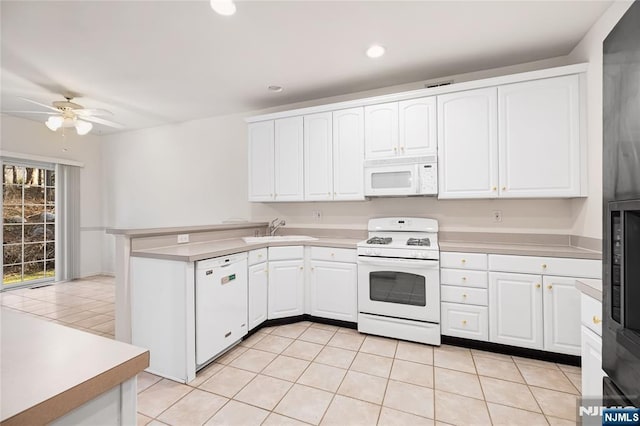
column 381, row 130
column 417, row 125
column 348, row 154
column 401, row 128
column 289, row 159
column 261, row 158
column 468, row 144
column 318, row 157
column 539, row 138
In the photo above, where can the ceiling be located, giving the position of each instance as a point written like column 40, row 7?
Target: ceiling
column 159, row 62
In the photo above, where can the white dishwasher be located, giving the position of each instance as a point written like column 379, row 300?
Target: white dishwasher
column 221, row 304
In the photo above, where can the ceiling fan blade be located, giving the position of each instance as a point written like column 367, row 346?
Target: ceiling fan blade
column 91, row 111
column 42, row 105
column 103, row 121
column 31, row 112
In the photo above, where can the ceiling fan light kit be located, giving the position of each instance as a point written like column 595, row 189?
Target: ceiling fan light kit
column 68, row 114
column 57, row 121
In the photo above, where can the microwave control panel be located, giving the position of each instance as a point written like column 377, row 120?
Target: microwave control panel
column 428, row 178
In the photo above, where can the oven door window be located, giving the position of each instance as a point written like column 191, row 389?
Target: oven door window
column 397, row 287
column 390, row 180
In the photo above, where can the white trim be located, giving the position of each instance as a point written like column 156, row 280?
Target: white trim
column 412, row 94
column 30, row 157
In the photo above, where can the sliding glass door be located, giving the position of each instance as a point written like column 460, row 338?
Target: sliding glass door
column 29, row 221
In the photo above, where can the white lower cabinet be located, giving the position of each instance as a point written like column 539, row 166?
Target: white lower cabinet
column 561, row 301
column 286, row 282
column 334, row 290
column 592, row 373
column 591, row 332
column 467, row 321
column 515, row 302
column 258, row 294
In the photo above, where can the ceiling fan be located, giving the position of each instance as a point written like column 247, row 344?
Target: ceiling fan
column 70, row 114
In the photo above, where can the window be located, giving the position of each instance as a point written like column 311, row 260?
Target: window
column 29, row 217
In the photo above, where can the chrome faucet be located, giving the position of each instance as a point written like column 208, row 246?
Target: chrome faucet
column 275, row 225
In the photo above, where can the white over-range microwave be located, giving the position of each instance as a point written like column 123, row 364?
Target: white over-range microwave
column 401, row 176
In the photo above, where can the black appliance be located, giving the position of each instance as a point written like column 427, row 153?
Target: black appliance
column 621, row 209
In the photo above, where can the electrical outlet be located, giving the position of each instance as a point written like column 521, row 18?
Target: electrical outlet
column 497, row 215
column 317, row 215
column 183, row 238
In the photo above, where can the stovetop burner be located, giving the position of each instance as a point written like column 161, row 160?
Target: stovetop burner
column 379, row 240
column 419, row 242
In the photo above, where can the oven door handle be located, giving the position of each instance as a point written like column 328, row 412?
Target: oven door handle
column 409, row 263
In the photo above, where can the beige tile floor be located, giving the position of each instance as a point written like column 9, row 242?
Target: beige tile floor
column 309, row 373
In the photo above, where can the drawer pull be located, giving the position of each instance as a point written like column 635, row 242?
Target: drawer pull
column 227, row 334
column 302, row 267
column 464, row 261
column 549, row 286
column 464, row 278
column 464, row 295
column 464, row 322
column 596, row 320
column 259, row 256
column 544, row 266
column 537, row 285
column 333, row 254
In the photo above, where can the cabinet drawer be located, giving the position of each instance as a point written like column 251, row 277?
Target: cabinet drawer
column 463, row 260
column 470, row 322
column 591, row 313
column 257, row 256
column 333, row 254
column 464, row 295
column 546, row 265
column 464, row 278
column 287, row 252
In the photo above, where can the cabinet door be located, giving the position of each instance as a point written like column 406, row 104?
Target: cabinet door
column 381, row 130
column 258, row 293
column 468, row 144
column 539, row 138
column 289, row 159
column 334, row 290
column 417, row 125
column 515, row 310
column 286, row 288
column 348, row 154
column 561, row 303
column 592, row 373
column 318, row 158
column 261, row 161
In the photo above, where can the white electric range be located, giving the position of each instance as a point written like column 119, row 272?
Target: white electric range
column 399, row 279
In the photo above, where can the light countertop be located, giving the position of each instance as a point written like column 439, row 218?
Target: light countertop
column 199, row 251
column 154, row 232
column 521, row 249
column 192, row 252
column 590, row 287
column 47, row 369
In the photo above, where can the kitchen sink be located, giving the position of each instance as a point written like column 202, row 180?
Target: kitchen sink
column 275, row 238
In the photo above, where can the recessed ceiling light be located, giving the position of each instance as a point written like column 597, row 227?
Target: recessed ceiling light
column 276, row 89
column 223, row 7
column 375, row 51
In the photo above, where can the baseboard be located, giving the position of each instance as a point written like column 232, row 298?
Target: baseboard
column 512, row 350
column 298, row 318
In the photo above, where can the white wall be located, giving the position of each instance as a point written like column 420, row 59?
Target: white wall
column 30, row 137
column 587, row 213
column 192, row 173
